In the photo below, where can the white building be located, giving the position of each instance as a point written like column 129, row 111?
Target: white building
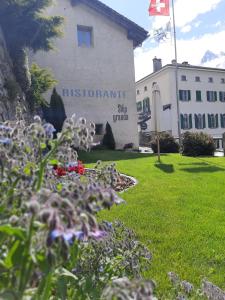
column 94, row 65
column 201, row 93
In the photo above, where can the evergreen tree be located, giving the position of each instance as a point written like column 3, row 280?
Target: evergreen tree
column 25, row 27
column 108, row 139
column 56, row 114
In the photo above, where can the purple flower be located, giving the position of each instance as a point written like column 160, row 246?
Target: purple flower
column 5, row 128
column 68, row 235
column 98, row 234
column 5, row 141
column 49, row 129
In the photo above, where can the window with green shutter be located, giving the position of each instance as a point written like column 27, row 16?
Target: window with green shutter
column 139, row 106
column 184, row 95
column 213, row 121
column 222, row 120
column 146, row 105
column 186, row 121
column 211, row 96
column 198, row 96
column 222, row 96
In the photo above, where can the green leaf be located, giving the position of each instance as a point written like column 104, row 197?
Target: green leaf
column 9, row 261
column 13, row 231
column 65, row 273
column 43, row 146
column 54, row 162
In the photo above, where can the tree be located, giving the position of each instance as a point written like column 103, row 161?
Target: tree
column 41, row 81
column 108, row 139
column 25, row 27
column 56, row 114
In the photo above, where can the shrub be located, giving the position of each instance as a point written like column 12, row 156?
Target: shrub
column 196, row 144
column 56, row 114
column 167, row 144
column 108, row 139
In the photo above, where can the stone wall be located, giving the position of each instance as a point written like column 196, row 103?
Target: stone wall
column 10, row 92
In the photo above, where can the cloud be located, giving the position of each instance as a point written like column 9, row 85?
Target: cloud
column 186, row 11
column 165, row 51
column 186, row 28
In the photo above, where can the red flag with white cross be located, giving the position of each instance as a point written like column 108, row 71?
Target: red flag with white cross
column 159, row 8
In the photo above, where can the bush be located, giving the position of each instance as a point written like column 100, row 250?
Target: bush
column 167, row 144
column 55, row 114
column 196, row 144
column 108, row 139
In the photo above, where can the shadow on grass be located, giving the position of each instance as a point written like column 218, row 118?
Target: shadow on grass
column 209, row 169
column 108, row 155
column 194, row 164
column 167, row 168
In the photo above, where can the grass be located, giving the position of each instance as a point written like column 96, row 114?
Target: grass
column 178, row 210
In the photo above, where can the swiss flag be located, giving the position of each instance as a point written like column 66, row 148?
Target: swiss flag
column 159, row 8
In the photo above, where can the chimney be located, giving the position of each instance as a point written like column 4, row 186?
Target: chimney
column 157, row 64
column 174, row 62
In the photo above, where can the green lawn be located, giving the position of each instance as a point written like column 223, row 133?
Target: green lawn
column 178, row 210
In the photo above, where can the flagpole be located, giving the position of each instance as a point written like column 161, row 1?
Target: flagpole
column 176, row 75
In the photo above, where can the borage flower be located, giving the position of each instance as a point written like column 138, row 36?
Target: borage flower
column 70, row 235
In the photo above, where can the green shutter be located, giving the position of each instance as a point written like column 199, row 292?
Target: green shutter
column 204, row 123
column 217, row 121
column 182, row 121
column 180, row 94
column 189, row 95
column 221, row 121
column 207, row 95
column 215, row 96
column 198, row 96
column 190, row 121
column 220, row 96
column 196, row 121
column 209, row 121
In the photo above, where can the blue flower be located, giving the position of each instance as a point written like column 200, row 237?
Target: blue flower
column 5, row 141
column 5, row 128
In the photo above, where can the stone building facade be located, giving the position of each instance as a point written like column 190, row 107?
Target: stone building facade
column 201, row 94
column 94, row 65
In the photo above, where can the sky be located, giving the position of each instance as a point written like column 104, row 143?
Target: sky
column 200, row 27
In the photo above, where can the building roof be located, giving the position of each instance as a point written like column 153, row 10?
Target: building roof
column 184, row 65
column 134, row 31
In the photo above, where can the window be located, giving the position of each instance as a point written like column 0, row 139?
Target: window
column 139, row 106
column 186, row 121
column 198, row 96
column 200, row 121
column 222, row 120
column 213, row 121
column 138, row 92
column 222, row 96
column 197, row 79
column 183, row 78
column 99, row 129
column 84, row 36
column 222, row 80
column 211, row 96
column 210, row 79
column 185, row 95
column 145, row 88
column 146, row 105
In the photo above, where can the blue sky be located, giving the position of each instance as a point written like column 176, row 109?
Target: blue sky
column 200, row 27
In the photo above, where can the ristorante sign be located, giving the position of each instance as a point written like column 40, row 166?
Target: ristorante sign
column 89, row 93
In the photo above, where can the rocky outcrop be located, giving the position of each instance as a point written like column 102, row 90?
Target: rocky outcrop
column 10, row 92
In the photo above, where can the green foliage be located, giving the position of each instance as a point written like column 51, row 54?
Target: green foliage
column 197, row 144
column 55, row 114
column 25, row 27
column 108, row 139
column 41, row 81
column 167, row 144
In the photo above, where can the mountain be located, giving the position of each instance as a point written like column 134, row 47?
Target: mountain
column 213, row 60
column 208, row 56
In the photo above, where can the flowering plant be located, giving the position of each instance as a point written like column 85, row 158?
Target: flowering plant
column 76, row 167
